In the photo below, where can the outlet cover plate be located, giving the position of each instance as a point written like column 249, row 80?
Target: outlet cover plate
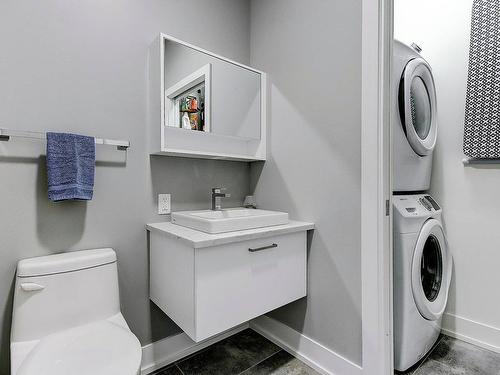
column 164, row 204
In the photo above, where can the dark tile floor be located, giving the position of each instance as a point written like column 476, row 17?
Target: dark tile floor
column 455, row 357
column 246, row 353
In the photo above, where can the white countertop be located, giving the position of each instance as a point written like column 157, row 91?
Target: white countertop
column 198, row 239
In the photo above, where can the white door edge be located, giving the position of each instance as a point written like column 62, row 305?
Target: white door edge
column 376, row 188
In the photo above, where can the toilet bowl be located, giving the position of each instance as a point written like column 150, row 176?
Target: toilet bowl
column 66, row 317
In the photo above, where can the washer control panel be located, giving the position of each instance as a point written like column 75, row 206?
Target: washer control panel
column 415, row 205
column 433, row 203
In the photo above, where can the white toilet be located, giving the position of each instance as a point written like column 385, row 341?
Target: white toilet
column 66, row 317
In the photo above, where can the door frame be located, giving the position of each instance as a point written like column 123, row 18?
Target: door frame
column 376, row 188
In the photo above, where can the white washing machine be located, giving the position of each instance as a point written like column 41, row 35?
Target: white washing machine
column 414, row 119
column 422, row 273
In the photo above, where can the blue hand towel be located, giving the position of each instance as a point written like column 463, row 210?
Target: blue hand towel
column 70, row 166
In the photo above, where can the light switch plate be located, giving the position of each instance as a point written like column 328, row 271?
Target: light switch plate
column 164, row 204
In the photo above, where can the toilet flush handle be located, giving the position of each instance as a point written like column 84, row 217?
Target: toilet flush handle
column 31, row 287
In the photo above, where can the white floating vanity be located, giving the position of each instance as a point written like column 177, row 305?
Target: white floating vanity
column 209, row 283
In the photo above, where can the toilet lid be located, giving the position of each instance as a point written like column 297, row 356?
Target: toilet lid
column 102, row 348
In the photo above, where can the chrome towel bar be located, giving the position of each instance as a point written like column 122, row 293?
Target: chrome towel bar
column 6, row 134
column 471, row 161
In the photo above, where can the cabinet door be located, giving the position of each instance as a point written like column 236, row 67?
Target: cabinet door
column 240, row 281
column 171, row 283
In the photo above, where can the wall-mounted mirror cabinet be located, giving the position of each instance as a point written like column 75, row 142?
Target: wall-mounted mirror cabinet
column 204, row 105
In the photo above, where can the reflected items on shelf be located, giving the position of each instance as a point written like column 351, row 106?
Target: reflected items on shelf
column 192, row 108
column 189, row 104
column 185, row 122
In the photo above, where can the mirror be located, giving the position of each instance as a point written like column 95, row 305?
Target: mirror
column 204, row 93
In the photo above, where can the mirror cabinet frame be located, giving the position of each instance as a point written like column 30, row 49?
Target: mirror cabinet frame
column 171, row 141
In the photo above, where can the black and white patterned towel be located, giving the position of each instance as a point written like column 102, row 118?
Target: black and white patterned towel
column 482, row 109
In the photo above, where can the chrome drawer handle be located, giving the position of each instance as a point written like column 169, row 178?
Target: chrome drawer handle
column 253, row 250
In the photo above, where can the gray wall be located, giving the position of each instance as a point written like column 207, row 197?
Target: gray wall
column 312, row 53
column 81, row 66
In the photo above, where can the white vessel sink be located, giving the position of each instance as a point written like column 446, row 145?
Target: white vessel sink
column 229, row 220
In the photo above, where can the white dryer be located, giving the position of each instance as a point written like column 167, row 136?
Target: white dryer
column 422, row 273
column 414, row 119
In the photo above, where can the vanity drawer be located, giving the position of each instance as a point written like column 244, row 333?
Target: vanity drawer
column 239, row 281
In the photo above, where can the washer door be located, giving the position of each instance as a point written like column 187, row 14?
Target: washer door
column 417, row 106
column 431, row 271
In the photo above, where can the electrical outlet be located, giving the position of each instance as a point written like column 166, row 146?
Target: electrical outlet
column 163, row 204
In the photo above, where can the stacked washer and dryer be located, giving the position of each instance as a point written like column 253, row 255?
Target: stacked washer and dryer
column 422, row 261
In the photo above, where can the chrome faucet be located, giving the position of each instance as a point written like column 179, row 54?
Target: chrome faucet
column 217, row 194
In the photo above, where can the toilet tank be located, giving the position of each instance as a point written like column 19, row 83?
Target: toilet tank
column 61, row 291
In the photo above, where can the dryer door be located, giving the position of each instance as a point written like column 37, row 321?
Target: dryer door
column 417, row 106
column 431, row 271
